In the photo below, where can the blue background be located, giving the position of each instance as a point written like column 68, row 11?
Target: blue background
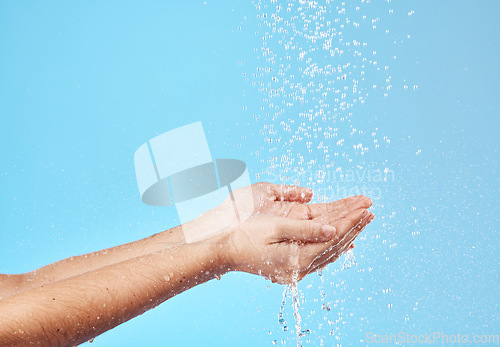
column 84, row 84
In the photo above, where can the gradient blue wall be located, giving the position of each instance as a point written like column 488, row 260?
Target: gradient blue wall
column 84, row 83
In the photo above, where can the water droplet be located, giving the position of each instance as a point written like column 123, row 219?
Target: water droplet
column 349, row 260
column 305, row 332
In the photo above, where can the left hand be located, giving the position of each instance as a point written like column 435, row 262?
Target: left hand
column 268, row 212
column 286, row 250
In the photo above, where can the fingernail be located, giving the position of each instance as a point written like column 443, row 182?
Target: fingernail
column 328, row 230
column 365, row 212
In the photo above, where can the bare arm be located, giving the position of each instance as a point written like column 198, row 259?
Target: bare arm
column 90, row 298
column 77, row 265
column 74, row 310
column 78, row 308
column 269, row 198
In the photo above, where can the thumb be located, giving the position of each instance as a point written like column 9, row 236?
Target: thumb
column 304, row 230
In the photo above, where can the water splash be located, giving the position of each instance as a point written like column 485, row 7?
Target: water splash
column 296, row 305
column 349, row 261
column 324, row 305
column 318, row 63
column 322, row 287
column 305, row 332
column 281, row 320
column 314, row 60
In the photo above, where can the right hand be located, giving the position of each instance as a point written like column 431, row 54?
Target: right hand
column 286, row 250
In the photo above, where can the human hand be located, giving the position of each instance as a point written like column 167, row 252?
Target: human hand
column 258, row 198
column 285, row 247
column 284, row 200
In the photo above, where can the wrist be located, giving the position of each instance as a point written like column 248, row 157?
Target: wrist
column 221, row 253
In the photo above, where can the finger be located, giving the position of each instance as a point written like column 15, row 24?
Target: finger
column 316, row 265
column 355, row 218
column 323, row 212
column 291, row 193
column 351, row 226
column 345, row 223
column 304, row 231
column 309, row 230
column 331, row 256
column 342, row 207
column 293, row 210
column 333, row 251
column 347, row 230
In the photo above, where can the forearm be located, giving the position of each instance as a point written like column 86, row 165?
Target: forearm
column 210, row 223
column 76, row 309
column 78, row 265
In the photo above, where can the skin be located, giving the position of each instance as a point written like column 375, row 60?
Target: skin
column 276, row 234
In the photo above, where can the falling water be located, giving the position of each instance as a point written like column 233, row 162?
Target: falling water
column 281, row 319
column 318, row 63
column 296, row 306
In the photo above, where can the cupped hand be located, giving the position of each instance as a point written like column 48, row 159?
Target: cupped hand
column 285, row 239
column 287, row 201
